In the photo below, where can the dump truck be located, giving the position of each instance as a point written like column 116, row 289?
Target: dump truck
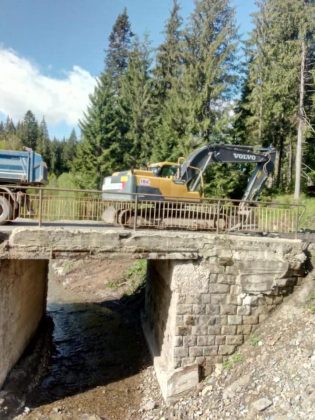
column 170, row 182
column 18, row 169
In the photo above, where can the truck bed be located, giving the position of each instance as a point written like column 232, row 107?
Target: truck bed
column 22, row 168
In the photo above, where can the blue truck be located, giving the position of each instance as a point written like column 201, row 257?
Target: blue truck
column 18, row 169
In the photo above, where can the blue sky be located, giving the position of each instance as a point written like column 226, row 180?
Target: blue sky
column 52, row 50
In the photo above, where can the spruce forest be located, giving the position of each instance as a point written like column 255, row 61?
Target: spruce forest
column 203, row 84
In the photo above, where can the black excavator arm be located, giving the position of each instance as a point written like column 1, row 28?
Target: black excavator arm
column 192, row 170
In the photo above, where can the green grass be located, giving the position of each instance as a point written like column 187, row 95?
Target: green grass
column 311, row 308
column 307, row 220
column 135, row 276
column 254, row 340
column 232, row 361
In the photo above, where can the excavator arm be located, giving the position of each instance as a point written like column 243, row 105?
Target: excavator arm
column 206, row 155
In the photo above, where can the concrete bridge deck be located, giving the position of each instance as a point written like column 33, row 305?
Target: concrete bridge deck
column 27, row 241
column 205, row 292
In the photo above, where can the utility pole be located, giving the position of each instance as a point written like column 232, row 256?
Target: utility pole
column 300, row 134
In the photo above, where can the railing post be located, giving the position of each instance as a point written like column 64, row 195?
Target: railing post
column 136, row 212
column 218, row 213
column 298, row 217
column 40, row 207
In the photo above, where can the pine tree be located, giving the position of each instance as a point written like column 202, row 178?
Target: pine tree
column 272, row 98
column 69, row 150
column 43, row 142
column 9, row 138
column 204, row 82
column 210, row 64
column 116, row 61
column 29, row 130
column 169, row 54
column 101, row 149
column 9, row 126
column 169, row 63
column 137, row 105
column 55, row 157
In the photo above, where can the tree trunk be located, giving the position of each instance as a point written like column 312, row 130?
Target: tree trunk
column 300, row 135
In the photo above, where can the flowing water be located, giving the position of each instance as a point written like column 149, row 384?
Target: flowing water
column 95, row 358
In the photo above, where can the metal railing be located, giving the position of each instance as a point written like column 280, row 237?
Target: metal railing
column 42, row 205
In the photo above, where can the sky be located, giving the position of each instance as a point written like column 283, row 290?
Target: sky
column 51, row 51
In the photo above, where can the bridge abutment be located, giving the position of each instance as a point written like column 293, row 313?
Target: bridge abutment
column 23, row 290
column 205, row 294
column 199, row 312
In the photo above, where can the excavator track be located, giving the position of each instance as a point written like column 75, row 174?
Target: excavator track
column 166, row 216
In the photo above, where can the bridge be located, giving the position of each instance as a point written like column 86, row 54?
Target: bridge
column 211, row 278
column 205, row 293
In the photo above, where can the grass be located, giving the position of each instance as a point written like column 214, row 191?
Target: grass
column 232, row 361
column 308, row 217
column 135, row 276
column 132, row 278
column 254, row 340
column 311, row 308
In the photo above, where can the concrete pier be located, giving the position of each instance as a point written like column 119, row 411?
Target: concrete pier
column 23, row 289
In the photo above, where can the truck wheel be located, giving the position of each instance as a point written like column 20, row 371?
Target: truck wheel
column 5, row 210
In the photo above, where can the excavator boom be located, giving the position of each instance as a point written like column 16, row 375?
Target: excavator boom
column 206, row 155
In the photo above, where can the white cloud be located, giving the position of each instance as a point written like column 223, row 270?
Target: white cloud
column 23, row 87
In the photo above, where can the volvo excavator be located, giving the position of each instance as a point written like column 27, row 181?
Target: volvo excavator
column 181, row 183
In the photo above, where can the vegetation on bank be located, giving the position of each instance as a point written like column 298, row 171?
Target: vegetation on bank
column 307, row 220
column 133, row 278
column 203, row 84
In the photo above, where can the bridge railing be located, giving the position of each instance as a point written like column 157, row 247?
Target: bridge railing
column 137, row 211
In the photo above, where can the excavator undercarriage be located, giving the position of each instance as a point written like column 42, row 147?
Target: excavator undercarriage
column 214, row 216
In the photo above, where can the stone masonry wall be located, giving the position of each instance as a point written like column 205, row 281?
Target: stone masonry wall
column 215, row 302
column 215, row 317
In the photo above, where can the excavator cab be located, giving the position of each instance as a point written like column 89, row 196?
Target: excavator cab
column 164, row 169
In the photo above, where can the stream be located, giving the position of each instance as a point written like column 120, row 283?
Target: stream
column 90, row 364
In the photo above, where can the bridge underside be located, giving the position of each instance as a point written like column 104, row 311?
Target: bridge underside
column 205, row 293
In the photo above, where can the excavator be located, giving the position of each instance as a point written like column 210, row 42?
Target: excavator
column 180, row 184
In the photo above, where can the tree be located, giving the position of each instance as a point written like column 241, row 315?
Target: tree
column 307, row 56
column 9, row 138
column 55, row 157
column 29, row 130
column 204, row 82
column 43, row 142
column 210, row 76
column 9, row 126
column 169, row 54
column 69, row 150
column 101, row 149
column 137, row 105
column 167, row 72
column 272, row 100
column 116, row 61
